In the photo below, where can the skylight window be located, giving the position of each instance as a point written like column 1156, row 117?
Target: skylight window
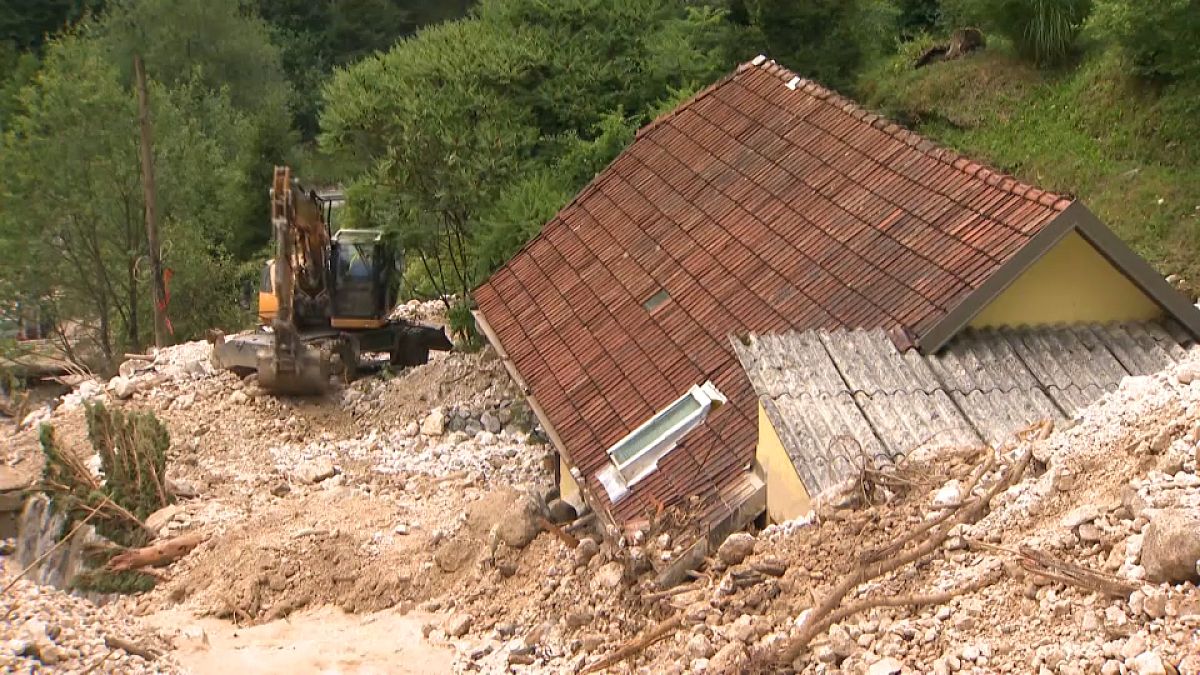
column 636, row 455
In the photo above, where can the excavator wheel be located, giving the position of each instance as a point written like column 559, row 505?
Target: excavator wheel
column 308, row 377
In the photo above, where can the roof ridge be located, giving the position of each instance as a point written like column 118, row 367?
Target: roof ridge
column 993, row 177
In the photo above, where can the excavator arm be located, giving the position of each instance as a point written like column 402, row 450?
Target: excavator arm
column 301, row 254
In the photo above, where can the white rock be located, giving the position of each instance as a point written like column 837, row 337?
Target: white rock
column 888, row 666
column 949, row 495
column 1148, row 663
column 121, row 387
column 434, row 423
column 317, row 470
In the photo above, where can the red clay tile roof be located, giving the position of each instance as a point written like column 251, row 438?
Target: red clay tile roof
column 765, row 203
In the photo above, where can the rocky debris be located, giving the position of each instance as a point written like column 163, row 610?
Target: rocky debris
column 46, row 630
column 736, row 548
column 1171, row 546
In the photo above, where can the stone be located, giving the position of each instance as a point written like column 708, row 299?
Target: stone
column 1188, row 373
column 585, row 551
column 158, row 520
column 490, row 422
column 238, row 397
column 519, row 526
column 1155, row 605
column 736, row 548
column 698, row 647
column 889, row 666
column 949, row 495
column 411, row 430
column 609, row 575
column 434, row 423
column 281, row 489
column 731, row 659
column 182, row 489
column 122, row 387
column 458, row 625
column 1148, row 663
column 1171, row 547
column 561, row 512
column 11, row 480
column 315, row 471
column 840, row 641
column 1089, row 533
column 579, row 618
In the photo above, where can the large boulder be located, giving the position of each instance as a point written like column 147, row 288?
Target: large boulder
column 1171, row 548
column 519, row 524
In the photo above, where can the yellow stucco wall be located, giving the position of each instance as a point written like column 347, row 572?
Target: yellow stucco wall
column 786, row 496
column 1071, row 283
column 568, row 489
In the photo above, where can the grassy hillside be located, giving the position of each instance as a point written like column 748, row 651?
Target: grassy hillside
column 1129, row 151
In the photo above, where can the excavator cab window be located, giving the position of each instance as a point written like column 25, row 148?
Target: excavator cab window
column 360, row 275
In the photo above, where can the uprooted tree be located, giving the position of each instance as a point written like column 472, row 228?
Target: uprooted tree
column 133, row 459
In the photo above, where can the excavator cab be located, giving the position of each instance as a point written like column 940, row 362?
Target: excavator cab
column 362, row 266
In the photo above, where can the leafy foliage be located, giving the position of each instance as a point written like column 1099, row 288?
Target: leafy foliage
column 827, row 40
column 1159, row 37
column 473, row 133
column 72, row 218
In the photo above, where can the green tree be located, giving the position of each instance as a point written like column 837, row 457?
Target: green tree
column 468, row 136
column 215, row 48
column 827, row 40
column 72, row 215
column 25, row 24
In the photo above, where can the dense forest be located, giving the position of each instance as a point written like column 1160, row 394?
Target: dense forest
column 459, row 127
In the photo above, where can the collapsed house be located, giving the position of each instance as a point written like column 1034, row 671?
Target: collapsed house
column 769, row 204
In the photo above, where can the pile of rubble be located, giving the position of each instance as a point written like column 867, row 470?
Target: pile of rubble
column 1082, row 558
column 46, row 630
column 423, row 311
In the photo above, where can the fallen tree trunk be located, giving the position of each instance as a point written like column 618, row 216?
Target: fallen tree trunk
column 161, row 553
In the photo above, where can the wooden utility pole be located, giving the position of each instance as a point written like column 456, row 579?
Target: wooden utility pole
column 149, row 196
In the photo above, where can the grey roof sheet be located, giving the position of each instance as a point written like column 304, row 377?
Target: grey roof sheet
column 838, row 398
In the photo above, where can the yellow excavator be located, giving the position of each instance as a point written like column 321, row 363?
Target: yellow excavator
column 323, row 301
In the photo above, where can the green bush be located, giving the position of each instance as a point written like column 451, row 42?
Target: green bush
column 1158, row 37
column 1043, row 31
column 827, row 40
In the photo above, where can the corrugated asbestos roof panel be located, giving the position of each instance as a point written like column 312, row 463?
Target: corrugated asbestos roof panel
column 756, row 207
column 883, row 403
column 905, row 422
column 827, row 437
column 997, row 415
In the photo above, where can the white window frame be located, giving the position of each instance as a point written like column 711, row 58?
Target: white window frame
column 618, row 477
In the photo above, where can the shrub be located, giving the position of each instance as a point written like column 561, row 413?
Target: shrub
column 1158, row 37
column 1043, row 31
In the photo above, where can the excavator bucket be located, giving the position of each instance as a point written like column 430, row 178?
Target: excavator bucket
column 306, row 375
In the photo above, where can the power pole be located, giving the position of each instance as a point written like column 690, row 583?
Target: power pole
column 149, row 196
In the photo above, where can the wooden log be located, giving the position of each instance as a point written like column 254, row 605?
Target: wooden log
column 635, row 647
column 567, row 539
column 161, row 553
column 113, row 642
